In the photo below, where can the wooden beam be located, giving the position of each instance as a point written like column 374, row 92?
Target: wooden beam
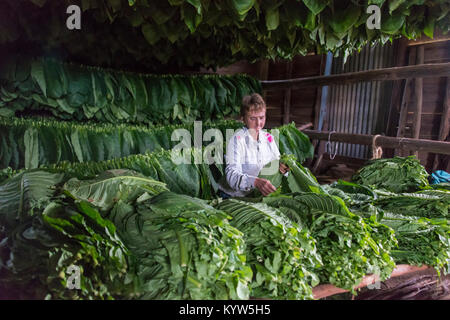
column 444, row 126
column 317, row 104
column 400, row 60
column 440, row 147
column 305, row 126
column 395, row 73
column 418, row 93
column 438, row 36
column 287, row 95
column 404, row 109
column 326, row 290
column 404, row 106
column 263, row 74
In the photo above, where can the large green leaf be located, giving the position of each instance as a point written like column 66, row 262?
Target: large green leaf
column 113, row 185
column 242, row 6
column 392, row 23
column 37, row 72
column 343, row 20
column 316, row 6
column 25, row 193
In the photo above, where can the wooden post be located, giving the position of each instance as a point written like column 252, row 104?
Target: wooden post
column 405, row 102
column 317, row 107
column 394, row 110
column 319, row 93
column 444, row 126
column 418, row 93
column 287, row 95
column 264, row 74
column 404, row 109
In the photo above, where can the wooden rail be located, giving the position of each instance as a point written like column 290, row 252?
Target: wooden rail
column 440, row 147
column 326, row 290
column 396, row 73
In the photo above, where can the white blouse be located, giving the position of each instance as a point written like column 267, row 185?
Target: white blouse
column 244, row 159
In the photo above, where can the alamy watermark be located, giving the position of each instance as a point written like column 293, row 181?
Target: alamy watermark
column 74, row 20
column 74, row 279
column 374, row 20
column 190, row 149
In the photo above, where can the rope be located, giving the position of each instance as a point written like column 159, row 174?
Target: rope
column 377, row 152
column 329, row 148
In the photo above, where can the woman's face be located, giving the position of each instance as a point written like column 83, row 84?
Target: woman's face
column 255, row 119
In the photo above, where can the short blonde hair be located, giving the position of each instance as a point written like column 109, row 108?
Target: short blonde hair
column 253, row 102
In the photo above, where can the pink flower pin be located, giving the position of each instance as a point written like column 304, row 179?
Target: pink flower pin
column 269, row 137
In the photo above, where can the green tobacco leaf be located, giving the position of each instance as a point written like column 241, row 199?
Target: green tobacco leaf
column 23, row 193
column 197, row 5
column 272, row 18
column 37, row 73
column 429, row 28
column 343, row 20
column 112, row 186
column 31, row 143
column 243, row 6
column 316, row 6
column 150, row 33
column 392, row 23
column 394, row 4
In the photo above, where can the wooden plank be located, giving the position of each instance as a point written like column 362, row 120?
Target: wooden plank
column 395, row 73
column 437, row 38
column 405, row 102
column 418, row 94
column 326, row 290
column 263, row 73
column 393, row 117
column 444, row 126
column 404, row 109
column 287, row 95
column 441, row 147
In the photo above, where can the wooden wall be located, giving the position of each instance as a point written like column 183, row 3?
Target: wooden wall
column 434, row 120
column 301, row 102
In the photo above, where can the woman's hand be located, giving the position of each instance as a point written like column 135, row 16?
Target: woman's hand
column 264, row 186
column 283, row 168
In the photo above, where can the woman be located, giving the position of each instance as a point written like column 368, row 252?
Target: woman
column 248, row 151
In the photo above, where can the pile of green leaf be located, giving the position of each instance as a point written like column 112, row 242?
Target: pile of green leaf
column 421, row 241
column 350, row 247
column 191, row 179
column 393, row 174
column 419, row 220
column 194, row 178
column 43, row 233
column 426, row 203
column 174, row 35
column 282, row 255
column 167, row 246
column 79, row 93
column 183, row 249
column 30, row 143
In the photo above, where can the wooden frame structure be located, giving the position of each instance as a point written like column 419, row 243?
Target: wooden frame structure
column 411, row 75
